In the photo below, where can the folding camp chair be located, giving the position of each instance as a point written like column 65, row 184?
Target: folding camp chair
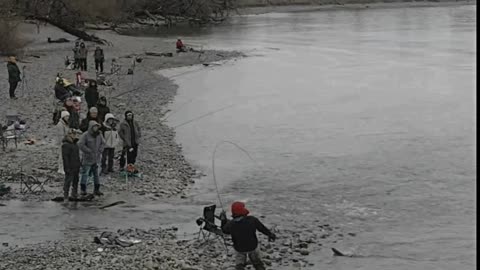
column 210, row 230
column 31, row 184
column 13, row 130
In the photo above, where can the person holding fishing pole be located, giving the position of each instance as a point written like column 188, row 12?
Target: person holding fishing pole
column 130, row 135
column 243, row 229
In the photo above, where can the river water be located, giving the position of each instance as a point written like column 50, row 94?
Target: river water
column 364, row 116
column 362, row 119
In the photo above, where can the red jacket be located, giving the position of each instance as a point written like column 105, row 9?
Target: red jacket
column 179, row 44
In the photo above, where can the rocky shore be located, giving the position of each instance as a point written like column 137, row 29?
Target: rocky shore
column 159, row 249
column 147, row 94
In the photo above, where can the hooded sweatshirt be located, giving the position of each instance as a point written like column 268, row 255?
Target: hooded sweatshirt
column 103, row 109
column 129, row 132
column 110, row 134
column 76, row 50
column 243, row 229
column 91, row 145
column 62, row 130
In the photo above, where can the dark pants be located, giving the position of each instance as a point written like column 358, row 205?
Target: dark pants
column 13, row 86
column 131, row 156
column 254, row 256
column 99, row 65
column 83, row 64
column 71, row 179
column 107, row 157
column 76, row 63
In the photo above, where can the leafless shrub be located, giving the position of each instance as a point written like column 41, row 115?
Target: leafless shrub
column 11, row 42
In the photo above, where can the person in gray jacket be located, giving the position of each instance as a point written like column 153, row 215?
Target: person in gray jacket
column 130, row 135
column 91, row 145
column 82, row 55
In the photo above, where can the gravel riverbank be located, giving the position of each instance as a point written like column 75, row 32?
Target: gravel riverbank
column 147, row 94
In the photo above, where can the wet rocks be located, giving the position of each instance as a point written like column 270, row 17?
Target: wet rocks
column 156, row 249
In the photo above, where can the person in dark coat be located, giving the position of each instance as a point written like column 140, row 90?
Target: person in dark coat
column 99, row 59
column 71, row 165
column 243, row 229
column 61, row 92
column 13, row 75
column 103, row 109
column 130, row 135
column 76, row 53
column 92, row 116
column 82, row 56
column 91, row 94
column 73, row 108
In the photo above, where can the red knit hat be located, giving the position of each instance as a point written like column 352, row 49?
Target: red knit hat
column 238, row 209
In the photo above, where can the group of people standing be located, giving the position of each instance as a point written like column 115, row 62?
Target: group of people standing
column 80, row 54
column 88, row 146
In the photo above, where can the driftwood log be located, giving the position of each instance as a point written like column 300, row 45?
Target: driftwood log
column 73, row 31
column 159, row 54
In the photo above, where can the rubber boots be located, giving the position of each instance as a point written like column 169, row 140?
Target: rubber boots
column 96, row 190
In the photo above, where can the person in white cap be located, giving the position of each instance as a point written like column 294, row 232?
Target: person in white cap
column 112, row 141
column 62, row 129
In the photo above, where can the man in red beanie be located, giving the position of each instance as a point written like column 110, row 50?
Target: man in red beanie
column 243, row 229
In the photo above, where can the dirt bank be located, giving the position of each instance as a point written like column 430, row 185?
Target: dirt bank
column 267, row 6
column 165, row 171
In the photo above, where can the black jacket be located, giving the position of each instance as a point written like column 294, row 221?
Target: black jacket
column 71, row 156
column 91, row 96
column 61, row 92
column 102, row 111
column 13, row 72
column 243, row 231
column 74, row 120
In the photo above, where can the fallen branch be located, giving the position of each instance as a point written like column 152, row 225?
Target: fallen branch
column 112, row 204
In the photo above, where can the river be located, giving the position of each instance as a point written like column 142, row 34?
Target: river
column 363, row 117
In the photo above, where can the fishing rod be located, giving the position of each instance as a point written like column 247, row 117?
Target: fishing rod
column 213, row 166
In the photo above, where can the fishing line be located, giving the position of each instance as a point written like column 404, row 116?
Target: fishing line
column 178, row 109
column 150, row 84
column 203, row 115
column 213, row 166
